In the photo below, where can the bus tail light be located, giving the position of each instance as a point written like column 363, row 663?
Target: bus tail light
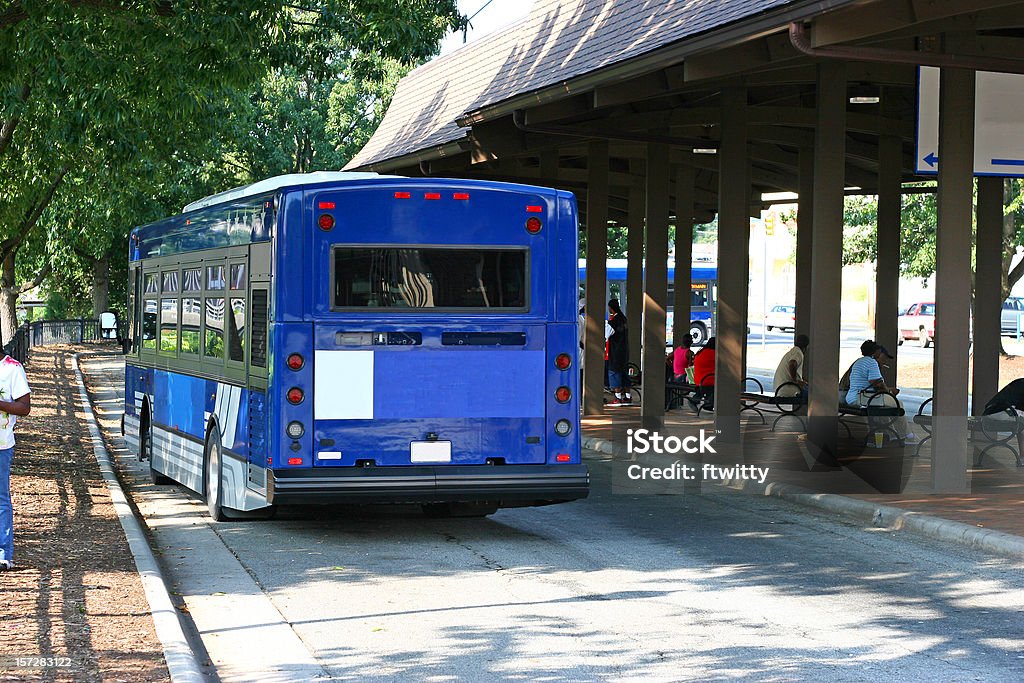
column 533, row 225
column 563, row 394
column 563, row 427
column 563, row 361
column 294, row 461
column 403, row 195
column 432, row 195
column 563, row 457
column 325, row 221
column 534, row 209
column 296, row 361
column 295, row 396
column 461, row 196
column 296, row 429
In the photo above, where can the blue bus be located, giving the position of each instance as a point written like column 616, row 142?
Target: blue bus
column 703, row 289
column 349, row 337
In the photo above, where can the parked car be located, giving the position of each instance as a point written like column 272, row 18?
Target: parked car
column 1013, row 307
column 782, row 317
column 918, row 322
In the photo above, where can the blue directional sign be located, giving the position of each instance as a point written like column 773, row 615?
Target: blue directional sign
column 999, row 117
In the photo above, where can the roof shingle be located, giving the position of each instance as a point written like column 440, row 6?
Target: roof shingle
column 560, row 40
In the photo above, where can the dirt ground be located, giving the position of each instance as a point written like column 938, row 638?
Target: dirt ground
column 75, row 594
column 919, row 375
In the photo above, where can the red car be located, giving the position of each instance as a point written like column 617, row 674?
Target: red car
column 918, row 322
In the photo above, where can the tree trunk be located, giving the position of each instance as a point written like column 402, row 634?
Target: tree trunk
column 8, row 299
column 100, row 285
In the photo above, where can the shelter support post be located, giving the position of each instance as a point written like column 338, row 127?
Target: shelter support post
column 733, row 248
column 652, row 409
column 987, row 291
column 887, row 276
column 597, row 256
column 685, row 178
column 804, row 234
column 950, row 453
column 827, row 260
column 635, row 271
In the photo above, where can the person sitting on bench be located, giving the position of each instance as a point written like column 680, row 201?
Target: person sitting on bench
column 704, row 375
column 1009, row 398
column 868, row 389
column 791, row 370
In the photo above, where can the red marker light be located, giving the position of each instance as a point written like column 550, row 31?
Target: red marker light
column 432, row 195
column 563, row 394
column 533, row 225
column 295, row 396
column 461, row 195
column 294, row 461
column 326, row 221
column 563, row 457
column 296, row 361
column 563, row 361
column 535, row 209
column 402, row 195
column 325, row 205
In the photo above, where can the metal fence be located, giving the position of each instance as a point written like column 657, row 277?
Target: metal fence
column 43, row 332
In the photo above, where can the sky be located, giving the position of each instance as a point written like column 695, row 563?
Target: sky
column 493, row 16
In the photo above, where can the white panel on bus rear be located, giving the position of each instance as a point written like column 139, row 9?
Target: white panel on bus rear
column 343, row 385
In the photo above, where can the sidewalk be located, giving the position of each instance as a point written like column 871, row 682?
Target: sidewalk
column 76, row 593
column 882, row 477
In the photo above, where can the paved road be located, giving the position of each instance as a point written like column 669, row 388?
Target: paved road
column 686, row 587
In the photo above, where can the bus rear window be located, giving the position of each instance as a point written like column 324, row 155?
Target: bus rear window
column 430, row 277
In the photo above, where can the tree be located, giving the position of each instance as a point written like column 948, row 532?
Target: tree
column 131, row 99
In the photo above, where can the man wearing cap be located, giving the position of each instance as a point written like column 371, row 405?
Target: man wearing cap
column 866, row 383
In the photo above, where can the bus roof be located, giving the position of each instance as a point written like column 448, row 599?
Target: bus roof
column 271, row 184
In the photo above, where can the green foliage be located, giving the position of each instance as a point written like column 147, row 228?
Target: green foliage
column 56, row 307
column 917, row 234
column 115, row 114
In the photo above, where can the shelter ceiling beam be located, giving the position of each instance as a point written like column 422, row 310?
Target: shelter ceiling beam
column 863, row 21
column 654, row 84
column 748, row 56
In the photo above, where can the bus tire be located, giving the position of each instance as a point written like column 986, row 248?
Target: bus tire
column 447, row 510
column 698, row 334
column 146, row 449
column 212, row 466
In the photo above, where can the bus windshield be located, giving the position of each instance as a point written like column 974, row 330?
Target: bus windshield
column 413, row 277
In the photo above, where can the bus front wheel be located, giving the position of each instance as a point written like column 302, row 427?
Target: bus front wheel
column 698, row 334
column 212, row 477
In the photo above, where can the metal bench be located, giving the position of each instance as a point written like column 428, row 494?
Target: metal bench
column 986, row 429
column 880, row 417
column 787, row 405
column 677, row 392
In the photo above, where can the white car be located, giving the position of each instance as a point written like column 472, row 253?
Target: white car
column 782, row 317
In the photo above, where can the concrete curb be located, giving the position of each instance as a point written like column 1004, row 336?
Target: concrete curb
column 881, row 516
column 181, row 661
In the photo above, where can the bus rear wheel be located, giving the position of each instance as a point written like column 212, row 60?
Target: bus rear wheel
column 445, row 510
column 212, row 477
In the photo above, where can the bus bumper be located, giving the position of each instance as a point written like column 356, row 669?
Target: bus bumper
column 510, row 485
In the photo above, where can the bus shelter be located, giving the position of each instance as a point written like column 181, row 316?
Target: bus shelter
column 680, row 111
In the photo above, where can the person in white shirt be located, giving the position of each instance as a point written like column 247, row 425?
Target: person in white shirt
column 14, row 401
column 791, row 369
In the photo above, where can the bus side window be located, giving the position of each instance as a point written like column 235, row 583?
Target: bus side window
column 149, row 317
column 213, row 344
column 236, row 331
